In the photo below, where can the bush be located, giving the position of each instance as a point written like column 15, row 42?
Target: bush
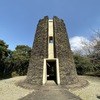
column 83, row 64
column 14, row 74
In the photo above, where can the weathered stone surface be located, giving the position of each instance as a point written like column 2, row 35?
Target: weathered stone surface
column 62, row 51
column 39, row 52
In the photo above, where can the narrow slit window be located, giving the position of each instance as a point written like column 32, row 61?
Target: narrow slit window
column 51, row 40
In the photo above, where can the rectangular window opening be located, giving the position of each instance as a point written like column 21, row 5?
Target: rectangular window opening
column 50, row 39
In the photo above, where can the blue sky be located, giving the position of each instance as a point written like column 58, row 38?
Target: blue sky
column 19, row 18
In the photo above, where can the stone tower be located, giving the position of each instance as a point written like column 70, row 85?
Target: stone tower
column 51, row 56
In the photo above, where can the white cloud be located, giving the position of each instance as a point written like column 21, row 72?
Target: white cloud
column 76, row 42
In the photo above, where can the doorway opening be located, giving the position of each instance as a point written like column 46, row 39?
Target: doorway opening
column 51, row 70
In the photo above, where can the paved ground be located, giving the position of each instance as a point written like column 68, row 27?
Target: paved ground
column 9, row 87
column 51, row 92
column 90, row 92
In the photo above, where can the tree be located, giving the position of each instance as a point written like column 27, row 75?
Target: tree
column 92, row 49
column 4, row 55
column 13, row 62
column 88, row 47
column 82, row 63
column 95, row 57
column 20, row 59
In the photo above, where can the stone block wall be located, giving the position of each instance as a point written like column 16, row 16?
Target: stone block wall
column 39, row 52
column 63, row 52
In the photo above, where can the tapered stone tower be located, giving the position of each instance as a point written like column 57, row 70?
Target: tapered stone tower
column 51, row 56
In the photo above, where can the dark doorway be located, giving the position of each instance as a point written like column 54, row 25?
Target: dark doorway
column 51, row 70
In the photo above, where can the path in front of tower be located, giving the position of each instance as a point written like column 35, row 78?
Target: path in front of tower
column 50, row 91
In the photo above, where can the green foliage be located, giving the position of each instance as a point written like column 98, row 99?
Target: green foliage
column 4, row 55
column 4, row 52
column 95, row 56
column 90, row 63
column 83, row 64
column 14, row 74
column 13, row 63
column 20, row 59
